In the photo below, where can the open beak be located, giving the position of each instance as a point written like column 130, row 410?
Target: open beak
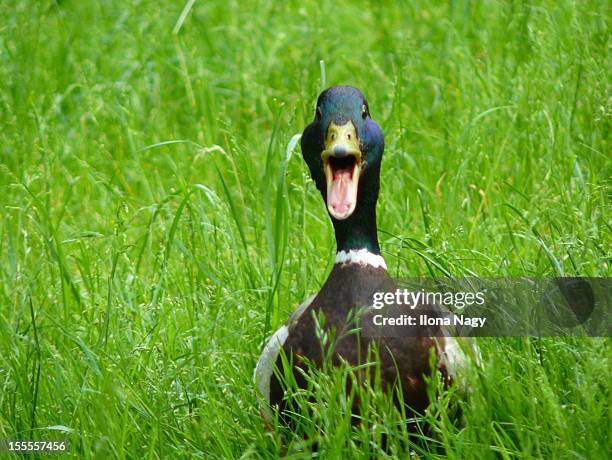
column 342, row 165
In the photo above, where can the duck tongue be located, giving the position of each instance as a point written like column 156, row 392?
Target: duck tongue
column 342, row 192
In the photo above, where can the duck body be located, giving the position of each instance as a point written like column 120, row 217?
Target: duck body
column 343, row 149
column 401, row 359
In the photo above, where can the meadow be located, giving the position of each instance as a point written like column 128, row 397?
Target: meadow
column 157, row 222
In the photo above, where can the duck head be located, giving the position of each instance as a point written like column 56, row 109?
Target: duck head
column 343, row 149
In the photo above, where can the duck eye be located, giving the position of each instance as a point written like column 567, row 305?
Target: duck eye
column 318, row 113
column 364, row 111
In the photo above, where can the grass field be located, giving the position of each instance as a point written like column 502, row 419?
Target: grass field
column 155, row 228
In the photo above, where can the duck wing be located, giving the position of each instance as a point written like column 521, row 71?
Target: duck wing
column 265, row 365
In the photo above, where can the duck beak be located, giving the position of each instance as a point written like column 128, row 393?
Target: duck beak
column 342, row 163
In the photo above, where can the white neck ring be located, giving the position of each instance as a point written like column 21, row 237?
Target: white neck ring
column 360, row 257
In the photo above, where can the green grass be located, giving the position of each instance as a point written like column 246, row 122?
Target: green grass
column 154, row 229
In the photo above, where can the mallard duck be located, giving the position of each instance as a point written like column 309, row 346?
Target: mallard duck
column 343, row 148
